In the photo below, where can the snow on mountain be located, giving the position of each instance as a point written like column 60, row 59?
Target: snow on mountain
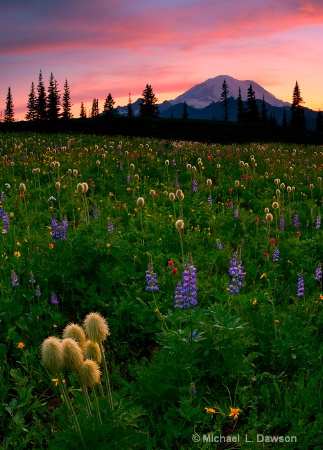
column 201, row 95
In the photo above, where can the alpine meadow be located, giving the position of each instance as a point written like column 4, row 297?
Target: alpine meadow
column 160, row 294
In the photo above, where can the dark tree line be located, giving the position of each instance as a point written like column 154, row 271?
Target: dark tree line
column 48, row 104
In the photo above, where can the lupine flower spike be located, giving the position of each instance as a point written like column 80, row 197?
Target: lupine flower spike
column 151, row 279
column 237, row 274
column 300, row 285
column 186, row 291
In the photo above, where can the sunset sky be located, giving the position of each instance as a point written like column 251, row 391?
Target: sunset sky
column 119, row 46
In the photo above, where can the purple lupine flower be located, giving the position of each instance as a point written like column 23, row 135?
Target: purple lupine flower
column 151, row 278
column 318, row 222
column 219, row 244
column 276, row 254
column 54, row 299
column 318, row 272
column 192, row 335
column 173, row 163
column 128, row 178
column 176, row 184
column 110, row 227
column 32, row 278
column 236, row 213
column 231, row 204
column 95, row 212
column 186, row 291
column 14, row 279
column 120, row 165
column 300, row 285
column 296, row 221
column 37, row 292
column 282, row 224
column 209, row 200
column 236, row 272
column 63, row 230
column 194, row 185
column 2, row 197
column 5, row 218
column 54, row 229
column 59, row 232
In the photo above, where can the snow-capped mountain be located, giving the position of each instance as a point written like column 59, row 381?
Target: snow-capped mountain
column 201, row 95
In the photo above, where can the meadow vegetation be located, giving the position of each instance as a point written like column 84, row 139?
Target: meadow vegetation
column 202, row 268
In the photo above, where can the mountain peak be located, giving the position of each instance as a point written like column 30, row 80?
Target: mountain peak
column 201, row 95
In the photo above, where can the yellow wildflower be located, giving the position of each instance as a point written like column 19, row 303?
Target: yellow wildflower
column 108, row 245
column 210, row 410
column 21, row 345
column 11, row 214
column 17, row 254
column 18, row 244
column 55, row 380
column 51, row 245
column 234, row 412
column 263, row 276
column 254, row 302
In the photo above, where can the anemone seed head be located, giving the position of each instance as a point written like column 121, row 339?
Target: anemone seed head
column 52, row 354
column 73, row 355
column 89, row 373
column 74, row 331
column 96, row 327
column 92, row 351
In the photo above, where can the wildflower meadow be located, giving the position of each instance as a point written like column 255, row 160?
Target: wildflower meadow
column 160, row 294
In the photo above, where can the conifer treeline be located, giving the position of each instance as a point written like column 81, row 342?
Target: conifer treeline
column 50, row 105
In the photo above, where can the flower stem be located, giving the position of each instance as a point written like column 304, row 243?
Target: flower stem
column 106, row 375
column 70, row 406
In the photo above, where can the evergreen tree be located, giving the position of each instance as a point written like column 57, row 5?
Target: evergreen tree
column 53, row 99
column 67, row 107
column 129, row 107
column 95, row 108
column 82, row 111
column 297, row 111
column 284, row 121
column 108, row 107
column 225, row 100
column 9, row 111
column 148, row 107
column 252, row 107
column 272, row 120
column 32, row 104
column 240, row 107
column 319, row 121
column 185, row 112
column 41, row 99
column 264, row 117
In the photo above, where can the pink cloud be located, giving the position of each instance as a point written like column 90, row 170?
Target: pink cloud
column 108, row 26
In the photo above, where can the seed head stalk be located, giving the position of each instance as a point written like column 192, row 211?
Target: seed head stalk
column 106, row 376
column 87, row 399
column 69, row 405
